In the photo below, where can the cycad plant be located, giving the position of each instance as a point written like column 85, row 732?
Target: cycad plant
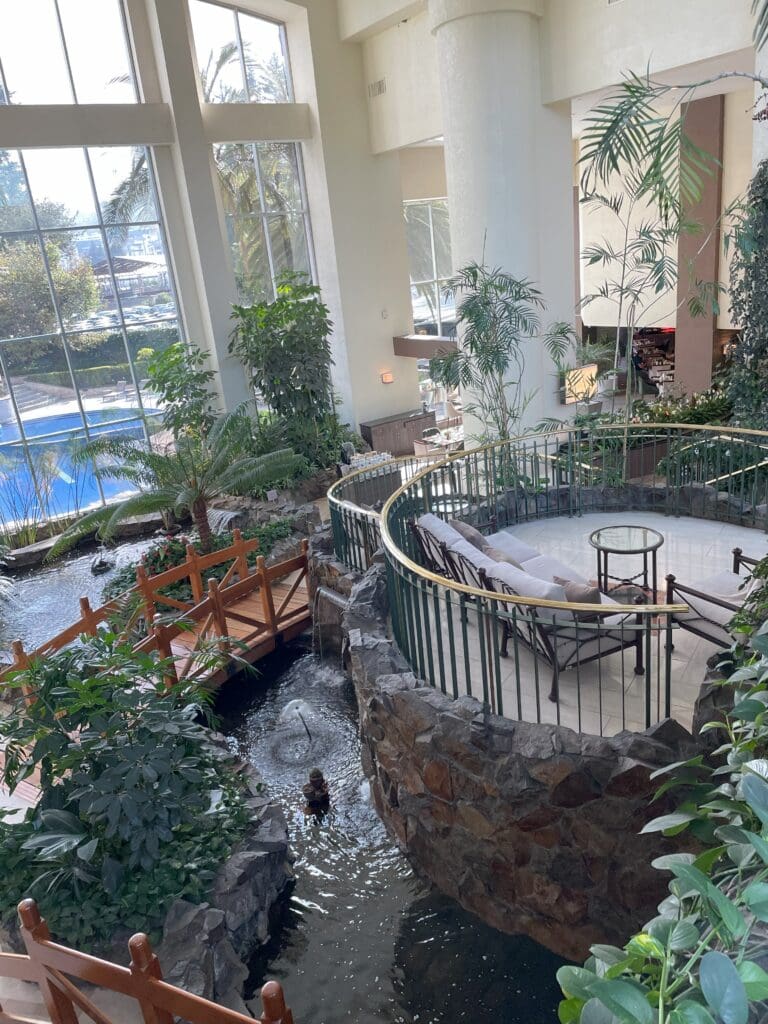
column 184, row 477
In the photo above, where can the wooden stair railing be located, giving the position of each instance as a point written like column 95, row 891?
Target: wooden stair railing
column 52, row 967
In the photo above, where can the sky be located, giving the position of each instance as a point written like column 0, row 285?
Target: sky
column 35, row 70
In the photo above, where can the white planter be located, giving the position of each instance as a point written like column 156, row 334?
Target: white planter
column 608, row 383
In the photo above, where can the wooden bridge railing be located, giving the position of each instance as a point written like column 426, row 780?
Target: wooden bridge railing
column 53, row 967
column 207, row 613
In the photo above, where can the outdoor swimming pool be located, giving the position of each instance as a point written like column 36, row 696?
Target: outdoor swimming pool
column 50, row 482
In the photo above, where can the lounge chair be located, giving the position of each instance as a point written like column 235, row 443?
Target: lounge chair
column 565, row 640
column 713, row 602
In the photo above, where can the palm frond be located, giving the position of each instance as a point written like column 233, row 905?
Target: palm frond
column 760, row 35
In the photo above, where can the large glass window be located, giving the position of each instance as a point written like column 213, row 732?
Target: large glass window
column 429, row 253
column 267, row 217
column 80, row 51
column 86, row 297
column 242, row 58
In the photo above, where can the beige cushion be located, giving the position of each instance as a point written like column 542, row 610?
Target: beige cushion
column 518, row 549
column 475, row 557
column 497, row 555
column 524, row 585
column 440, row 530
column 468, row 533
column 547, row 568
column 580, row 593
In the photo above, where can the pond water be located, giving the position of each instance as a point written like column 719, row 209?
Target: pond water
column 43, row 602
column 362, row 939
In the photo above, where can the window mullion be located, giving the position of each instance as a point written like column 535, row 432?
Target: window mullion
column 264, row 217
column 56, row 308
column 64, row 50
column 116, row 290
column 434, row 268
column 22, row 432
column 256, row 161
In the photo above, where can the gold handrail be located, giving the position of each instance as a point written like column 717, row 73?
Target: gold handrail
column 333, row 497
column 400, row 557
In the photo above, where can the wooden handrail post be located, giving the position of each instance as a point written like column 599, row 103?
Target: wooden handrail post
column 267, row 601
column 89, row 619
column 164, row 649
column 195, row 576
column 21, row 662
column 219, row 615
column 144, row 964
column 145, row 589
column 20, row 656
column 34, row 930
column 240, row 555
column 273, row 1001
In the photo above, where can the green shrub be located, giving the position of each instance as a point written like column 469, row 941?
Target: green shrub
column 172, row 551
column 748, row 365
column 137, row 806
column 285, row 346
column 711, row 406
column 701, row 960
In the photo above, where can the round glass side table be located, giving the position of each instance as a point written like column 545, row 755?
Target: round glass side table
column 627, row 540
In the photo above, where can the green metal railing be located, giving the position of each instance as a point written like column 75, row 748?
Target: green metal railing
column 355, row 502
column 609, row 670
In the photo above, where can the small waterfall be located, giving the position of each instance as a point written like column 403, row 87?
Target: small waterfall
column 220, row 518
column 336, row 602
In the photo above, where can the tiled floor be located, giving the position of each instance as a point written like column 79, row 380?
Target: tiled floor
column 604, row 696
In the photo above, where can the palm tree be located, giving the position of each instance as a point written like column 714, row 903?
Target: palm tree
column 184, row 477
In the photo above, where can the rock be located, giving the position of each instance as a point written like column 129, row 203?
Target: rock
column 368, row 605
column 529, row 826
column 205, row 947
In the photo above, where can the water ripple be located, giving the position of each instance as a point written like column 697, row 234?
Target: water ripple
column 362, row 938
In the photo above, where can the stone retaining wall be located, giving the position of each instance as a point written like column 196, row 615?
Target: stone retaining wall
column 532, row 827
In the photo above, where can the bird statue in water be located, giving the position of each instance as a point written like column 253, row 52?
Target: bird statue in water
column 316, row 793
column 101, row 563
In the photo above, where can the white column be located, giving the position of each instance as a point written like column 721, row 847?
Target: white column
column 509, row 160
column 190, row 194
column 355, row 200
column 760, row 131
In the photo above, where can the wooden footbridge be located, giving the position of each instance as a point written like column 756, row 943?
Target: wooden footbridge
column 69, row 987
column 246, row 614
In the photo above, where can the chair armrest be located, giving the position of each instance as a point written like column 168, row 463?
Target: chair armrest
column 674, row 587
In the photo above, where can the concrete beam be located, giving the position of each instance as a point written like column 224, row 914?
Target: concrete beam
column 89, row 124
column 360, row 19
column 268, row 122
column 422, row 346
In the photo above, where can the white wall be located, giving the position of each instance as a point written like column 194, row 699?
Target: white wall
column 409, row 111
column 422, row 173
column 588, row 45
column 356, row 208
column 361, row 18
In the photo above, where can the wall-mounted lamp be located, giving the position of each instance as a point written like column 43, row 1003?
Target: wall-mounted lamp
column 387, row 377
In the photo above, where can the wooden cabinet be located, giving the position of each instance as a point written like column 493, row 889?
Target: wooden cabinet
column 397, row 433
